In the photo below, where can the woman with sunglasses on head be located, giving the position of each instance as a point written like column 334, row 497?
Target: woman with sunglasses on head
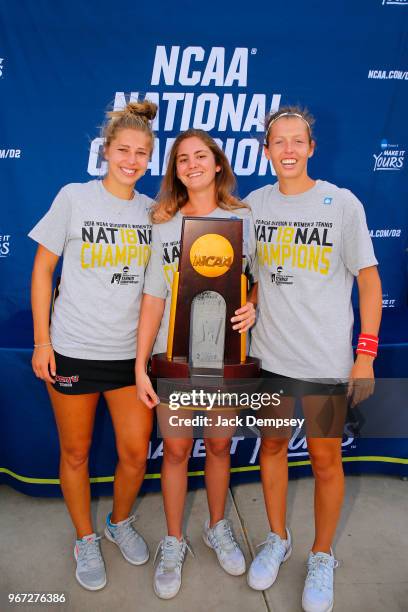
column 102, row 230
column 312, row 242
column 198, row 183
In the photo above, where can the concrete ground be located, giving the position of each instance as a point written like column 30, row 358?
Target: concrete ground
column 36, row 542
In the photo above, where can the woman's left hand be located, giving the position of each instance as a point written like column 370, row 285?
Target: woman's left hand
column 361, row 380
column 244, row 318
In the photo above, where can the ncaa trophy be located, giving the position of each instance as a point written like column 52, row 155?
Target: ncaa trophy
column 202, row 347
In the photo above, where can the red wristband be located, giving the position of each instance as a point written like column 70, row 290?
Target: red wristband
column 367, row 345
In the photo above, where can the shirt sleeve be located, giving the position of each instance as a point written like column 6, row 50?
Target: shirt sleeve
column 252, row 253
column 357, row 250
column 155, row 282
column 251, row 242
column 53, row 229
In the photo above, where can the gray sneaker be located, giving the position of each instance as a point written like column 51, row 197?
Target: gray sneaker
column 167, row 577
column 265, row 567
column 130, row 542
column 90, row 571
column 318, row 592
column 221, row 539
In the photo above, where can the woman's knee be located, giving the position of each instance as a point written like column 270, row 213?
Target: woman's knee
column 326, row 463
column 75, row 456
column 274, row 446
column 134, row 456
column 176, row 452
column 218, row 447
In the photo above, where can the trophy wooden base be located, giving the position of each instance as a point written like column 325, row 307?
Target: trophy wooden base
column 178, row 367
column 178, row 375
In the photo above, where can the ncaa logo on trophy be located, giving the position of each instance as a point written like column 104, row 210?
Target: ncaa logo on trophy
column 216, row 263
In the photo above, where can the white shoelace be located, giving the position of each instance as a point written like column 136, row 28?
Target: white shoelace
column 123, row 532
column 225, row 541
column 272, row 550
column 320, row 572
column 89, row 553
column 172, row 553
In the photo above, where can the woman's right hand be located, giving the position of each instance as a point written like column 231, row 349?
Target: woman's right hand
column 43, row 362
column 145, row 391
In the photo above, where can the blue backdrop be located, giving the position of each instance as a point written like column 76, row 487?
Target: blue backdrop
column 218, row 66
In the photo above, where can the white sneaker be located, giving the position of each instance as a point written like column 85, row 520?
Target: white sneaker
column 130, row 542
column 221, row 539
column 318, row 592
column 90, row 570
column 167, row 577
column 265, row 567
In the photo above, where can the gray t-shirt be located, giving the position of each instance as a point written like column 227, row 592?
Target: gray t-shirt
column 310, row 247
column 165, row 257
column 105, row 243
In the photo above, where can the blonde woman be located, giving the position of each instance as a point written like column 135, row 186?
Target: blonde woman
column 102, row 230
column 312, row 242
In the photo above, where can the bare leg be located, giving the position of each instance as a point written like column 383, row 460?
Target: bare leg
column 274, row 466
column 217, row 476
column 274, row 476
column 174, row 482
column 325, row 455
column 132, row 422
column 75, row 415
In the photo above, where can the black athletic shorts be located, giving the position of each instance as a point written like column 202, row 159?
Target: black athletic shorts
column 76, row 376
column 324, row 416
column 294, row 387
